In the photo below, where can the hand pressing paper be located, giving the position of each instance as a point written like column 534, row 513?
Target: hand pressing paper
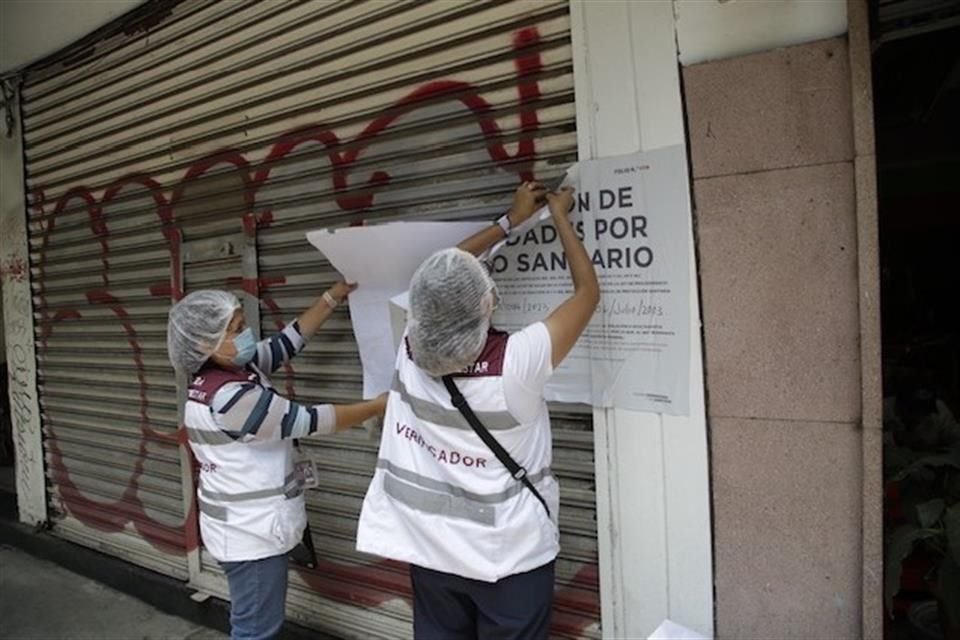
column 569, row 179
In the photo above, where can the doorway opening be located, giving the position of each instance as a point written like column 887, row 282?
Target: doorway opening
column 916, row 84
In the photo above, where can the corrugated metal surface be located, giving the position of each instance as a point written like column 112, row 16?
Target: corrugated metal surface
column 210, row 143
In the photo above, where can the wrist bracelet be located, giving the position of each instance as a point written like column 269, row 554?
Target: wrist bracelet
column 504, row 223
column 330, row 300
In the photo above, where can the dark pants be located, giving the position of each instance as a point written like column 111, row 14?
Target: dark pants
column 448, row 607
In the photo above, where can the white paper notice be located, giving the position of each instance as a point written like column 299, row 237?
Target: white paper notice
column 669, row 630
column 381, row 259
column 632, row 213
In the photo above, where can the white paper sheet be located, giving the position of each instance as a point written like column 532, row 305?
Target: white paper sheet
column 399, row 305
column 633, row 213
column 381, row 259
column 669, row 630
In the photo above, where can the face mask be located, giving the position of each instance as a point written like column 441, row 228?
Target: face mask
column 246, row 347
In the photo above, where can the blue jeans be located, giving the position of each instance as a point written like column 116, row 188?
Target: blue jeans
column 258, row 591
column 449, row 607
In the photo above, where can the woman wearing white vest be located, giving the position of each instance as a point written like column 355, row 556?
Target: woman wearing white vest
column 481, row 544
column 250, row 496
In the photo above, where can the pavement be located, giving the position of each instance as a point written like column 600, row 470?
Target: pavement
column 44, row 601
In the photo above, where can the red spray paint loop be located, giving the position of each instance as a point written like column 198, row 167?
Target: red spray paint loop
column 48, row 225
column 113, row 516
column 70, row 497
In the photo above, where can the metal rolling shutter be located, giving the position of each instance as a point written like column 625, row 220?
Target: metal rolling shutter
column 195, row 150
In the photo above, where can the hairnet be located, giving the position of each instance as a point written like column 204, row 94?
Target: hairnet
column 451, row 300
column 196, row 327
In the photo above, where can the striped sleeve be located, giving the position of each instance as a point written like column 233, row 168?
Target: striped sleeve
column 249, row 412
column 279, row 348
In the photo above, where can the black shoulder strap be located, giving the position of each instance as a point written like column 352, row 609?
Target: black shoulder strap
column 503, row 456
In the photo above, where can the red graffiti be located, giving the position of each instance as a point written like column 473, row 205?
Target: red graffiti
column 13, row 270
column 576, row 600
column 369, row 585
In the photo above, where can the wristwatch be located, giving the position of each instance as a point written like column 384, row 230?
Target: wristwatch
column 504, row 223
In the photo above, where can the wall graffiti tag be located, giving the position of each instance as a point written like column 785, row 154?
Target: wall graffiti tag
column 21, row 373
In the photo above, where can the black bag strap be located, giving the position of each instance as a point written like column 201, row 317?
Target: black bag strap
column 503, row 456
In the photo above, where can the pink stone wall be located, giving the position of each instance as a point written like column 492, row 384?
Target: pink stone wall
column 771, row 141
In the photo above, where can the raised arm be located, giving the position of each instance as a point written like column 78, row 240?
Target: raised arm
column 279, row 348
column 525, row 203
column 314, row 317
column 568, row 321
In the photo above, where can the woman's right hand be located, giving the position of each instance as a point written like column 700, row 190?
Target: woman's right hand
column 526, row 200
column 349, row 415
column 560, row 201
column 341, row 290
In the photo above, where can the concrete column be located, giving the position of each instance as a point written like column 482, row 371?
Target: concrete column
column 18, row 325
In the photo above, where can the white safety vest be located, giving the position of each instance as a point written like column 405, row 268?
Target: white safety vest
column 250, row 501
column 439, row 497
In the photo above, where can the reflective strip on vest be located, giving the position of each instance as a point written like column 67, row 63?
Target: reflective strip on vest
column 212, row 510
column 291, row 489
column 458, row 492
column 208, row 437
column 433, row 413
column 442, row 504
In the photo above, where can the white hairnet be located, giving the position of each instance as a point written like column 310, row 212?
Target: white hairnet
column 451, row 300
column 196, row 327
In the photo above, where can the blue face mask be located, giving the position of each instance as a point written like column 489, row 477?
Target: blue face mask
column 246, row 347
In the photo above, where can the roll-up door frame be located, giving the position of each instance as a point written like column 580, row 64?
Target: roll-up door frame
column 653, row 492
column 506, row 67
